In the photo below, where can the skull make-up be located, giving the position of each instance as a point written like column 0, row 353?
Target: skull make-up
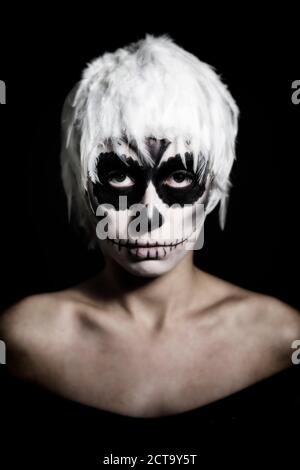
column 148, row 138
column 168, row 196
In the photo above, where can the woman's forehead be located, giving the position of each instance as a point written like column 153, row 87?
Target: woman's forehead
column 159, row 150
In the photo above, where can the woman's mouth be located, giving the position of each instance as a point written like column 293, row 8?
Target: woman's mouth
column 150, row 250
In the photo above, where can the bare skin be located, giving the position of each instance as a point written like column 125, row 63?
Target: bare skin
column 149, row 348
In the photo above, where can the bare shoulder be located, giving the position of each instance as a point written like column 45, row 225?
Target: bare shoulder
column 276, row 326
column 255, row 304
column 275, row 315
column 36, row 325
column 34, row 312
column 272, row 322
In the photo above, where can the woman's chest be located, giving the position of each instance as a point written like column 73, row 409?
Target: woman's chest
column 142, row 377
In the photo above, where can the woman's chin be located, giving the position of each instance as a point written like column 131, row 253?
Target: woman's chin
column 148, row 267
column 145, row 262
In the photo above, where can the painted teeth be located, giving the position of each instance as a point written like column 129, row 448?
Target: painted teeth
column 135, row 244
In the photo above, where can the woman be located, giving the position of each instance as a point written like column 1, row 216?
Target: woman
column 149, row 136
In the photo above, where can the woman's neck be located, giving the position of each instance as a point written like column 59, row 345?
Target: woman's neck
column 151, row 300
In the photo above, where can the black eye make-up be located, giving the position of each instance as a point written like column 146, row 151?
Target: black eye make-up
column 175, row 183
column 117, row 178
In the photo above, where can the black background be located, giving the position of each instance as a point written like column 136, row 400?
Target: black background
column 42, row 57
column 41, row 62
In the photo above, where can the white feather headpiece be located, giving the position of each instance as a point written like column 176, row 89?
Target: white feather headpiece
column 151, row 88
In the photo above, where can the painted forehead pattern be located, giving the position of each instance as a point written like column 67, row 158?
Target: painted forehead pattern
column 156, row 147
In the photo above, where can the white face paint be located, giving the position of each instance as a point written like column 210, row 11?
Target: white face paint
column 149, row 218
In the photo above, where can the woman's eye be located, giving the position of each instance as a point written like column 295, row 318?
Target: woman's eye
column 120, row 180
column 179, row 179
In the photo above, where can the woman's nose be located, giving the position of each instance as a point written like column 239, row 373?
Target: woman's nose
column 154, row 217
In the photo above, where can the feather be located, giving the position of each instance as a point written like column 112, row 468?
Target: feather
column 151, row 88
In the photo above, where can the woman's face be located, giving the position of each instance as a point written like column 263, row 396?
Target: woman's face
column 150, row 217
